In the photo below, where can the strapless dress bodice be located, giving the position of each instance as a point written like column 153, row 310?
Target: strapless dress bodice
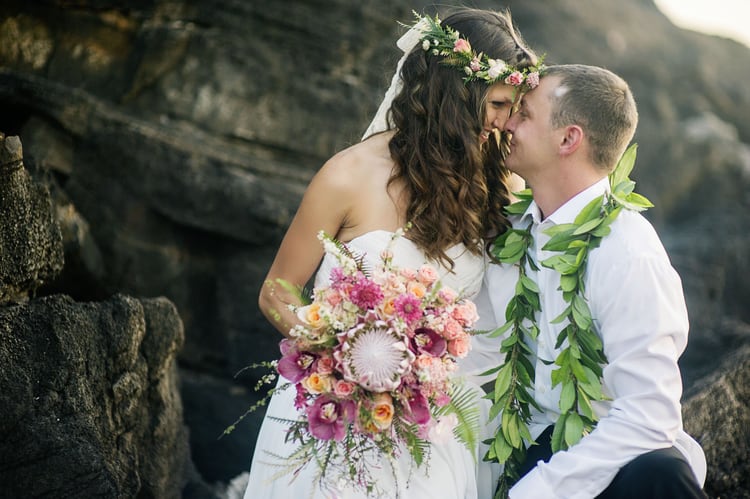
column 465, row 278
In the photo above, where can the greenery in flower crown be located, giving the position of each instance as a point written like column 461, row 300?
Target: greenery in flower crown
column 457, row 52
column 579, row 363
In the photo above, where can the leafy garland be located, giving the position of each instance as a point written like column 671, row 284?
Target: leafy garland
column 579, row 363
column 457, row 52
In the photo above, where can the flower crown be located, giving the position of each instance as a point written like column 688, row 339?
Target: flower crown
column 457, row 52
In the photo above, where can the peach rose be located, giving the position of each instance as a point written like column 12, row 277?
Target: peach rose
column 317, row 383
column 417, row 289
column 465, row 313
column 460, row 346
column 427, row 274
column 310, row 314
column 325, row 365
column 452, row 329
column 382, row 412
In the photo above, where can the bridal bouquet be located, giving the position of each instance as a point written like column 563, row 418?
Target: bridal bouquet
column 372, row 367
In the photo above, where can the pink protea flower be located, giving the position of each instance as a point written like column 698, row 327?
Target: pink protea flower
column 366, row 294
column 426, row 340
column 327, row 418
column 408, row 307
column 374, row 355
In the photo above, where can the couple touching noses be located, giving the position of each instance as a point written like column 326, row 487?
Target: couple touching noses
column 587, row 402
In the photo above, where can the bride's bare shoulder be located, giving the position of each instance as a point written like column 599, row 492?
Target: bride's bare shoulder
column 360, row 164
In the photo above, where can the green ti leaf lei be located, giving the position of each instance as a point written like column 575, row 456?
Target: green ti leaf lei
column 579, row 363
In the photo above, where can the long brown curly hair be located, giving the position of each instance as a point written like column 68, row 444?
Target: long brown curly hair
column 456, row 187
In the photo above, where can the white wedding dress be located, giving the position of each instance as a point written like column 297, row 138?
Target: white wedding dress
column 453, row 472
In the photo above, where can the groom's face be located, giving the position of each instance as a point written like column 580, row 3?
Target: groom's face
column 533, row 141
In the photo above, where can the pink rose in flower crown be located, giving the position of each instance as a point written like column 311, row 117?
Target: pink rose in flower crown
column 461, row 45
column 474, row 65
column 460, row 346
column 427, row 275
column 328, row 418
column 515, row 78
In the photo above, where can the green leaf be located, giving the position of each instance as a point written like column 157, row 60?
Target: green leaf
column 573, row 429
column 568, row 282
column 588, row 226
column 584, row 404
column 557, row 441
column 581, row 312
column 501, row 447
column 590, row 212
column 567, row 396
column 624, row 165
column 529, row 284
column 564, row 264
column 502, row 382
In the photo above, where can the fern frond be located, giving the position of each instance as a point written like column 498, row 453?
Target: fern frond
column 465, row 405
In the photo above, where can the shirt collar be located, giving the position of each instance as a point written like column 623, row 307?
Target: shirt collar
column 568, row 211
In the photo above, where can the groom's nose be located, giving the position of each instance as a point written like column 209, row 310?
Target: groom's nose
column 510, row 123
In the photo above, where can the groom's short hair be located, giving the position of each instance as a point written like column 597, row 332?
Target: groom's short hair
column 601, row 103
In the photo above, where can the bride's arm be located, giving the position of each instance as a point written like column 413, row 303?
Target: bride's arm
column 324, row 206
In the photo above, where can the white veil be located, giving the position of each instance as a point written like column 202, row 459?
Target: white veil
column 406, row 43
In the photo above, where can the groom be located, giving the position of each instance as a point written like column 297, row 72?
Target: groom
column 567, row 136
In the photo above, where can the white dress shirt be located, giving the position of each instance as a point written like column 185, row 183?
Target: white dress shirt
column 639, row 312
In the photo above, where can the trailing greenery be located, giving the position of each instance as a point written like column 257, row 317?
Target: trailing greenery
column 579, row 363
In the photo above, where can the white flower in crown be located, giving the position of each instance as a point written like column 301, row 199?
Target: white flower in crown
column 497, row 67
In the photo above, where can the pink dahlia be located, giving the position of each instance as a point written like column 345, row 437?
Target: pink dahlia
column 366, row 294
column 408, row 307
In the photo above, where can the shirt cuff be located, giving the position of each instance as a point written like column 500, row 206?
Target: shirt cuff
column 531, row 486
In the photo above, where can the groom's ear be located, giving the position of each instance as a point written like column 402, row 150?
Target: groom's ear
column 571, row 140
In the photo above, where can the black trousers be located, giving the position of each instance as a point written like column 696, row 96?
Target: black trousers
column 659, row 474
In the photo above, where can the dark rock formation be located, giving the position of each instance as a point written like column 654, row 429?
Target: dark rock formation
column 718, row 415
column 178, row 138
column 30, row 241
column 90, row 406
column 88, row 391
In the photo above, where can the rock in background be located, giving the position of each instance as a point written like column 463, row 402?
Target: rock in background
column 178, row 136
column 89, row 397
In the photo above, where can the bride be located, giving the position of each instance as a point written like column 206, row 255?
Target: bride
column 433, row 161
